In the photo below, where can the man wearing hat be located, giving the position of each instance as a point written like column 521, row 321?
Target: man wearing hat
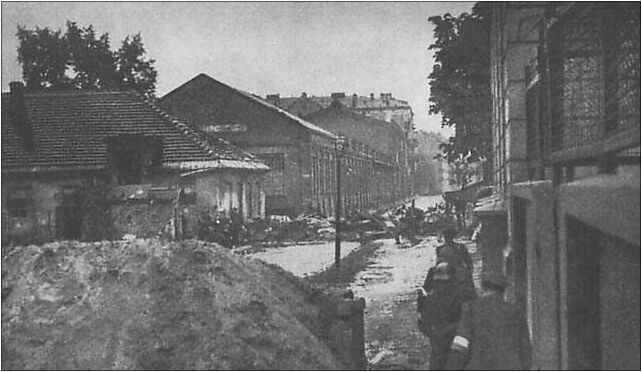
column 492, row 333
column 439, row 311
column 458, row 257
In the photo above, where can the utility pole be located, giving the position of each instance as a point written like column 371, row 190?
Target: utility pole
column 339, row 147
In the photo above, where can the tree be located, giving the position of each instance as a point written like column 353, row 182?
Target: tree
column 133, row 70
column 80, row 59
column 44, row 57
column 460, row 83
column 94, row 65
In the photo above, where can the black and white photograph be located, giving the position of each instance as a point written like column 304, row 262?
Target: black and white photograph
column 320, row 185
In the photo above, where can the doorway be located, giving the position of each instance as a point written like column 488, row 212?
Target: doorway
column 583, row 260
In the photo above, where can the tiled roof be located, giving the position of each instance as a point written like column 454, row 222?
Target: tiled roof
column 71, row 128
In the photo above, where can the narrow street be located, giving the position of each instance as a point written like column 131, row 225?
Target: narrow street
column 389, row 285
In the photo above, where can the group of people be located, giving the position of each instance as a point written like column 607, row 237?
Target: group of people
column 407, row 222
column 216, row 227
column 469, row 330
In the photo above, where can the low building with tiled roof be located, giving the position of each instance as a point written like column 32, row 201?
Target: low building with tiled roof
column 56, row 143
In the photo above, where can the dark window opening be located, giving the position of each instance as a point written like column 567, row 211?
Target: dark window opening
column 133, row 156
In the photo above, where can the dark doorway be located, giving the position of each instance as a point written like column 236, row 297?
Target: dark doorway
column 69, row 214
column 583, row 258
column 519, row 267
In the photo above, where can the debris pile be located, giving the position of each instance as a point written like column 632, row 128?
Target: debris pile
column 147, row 304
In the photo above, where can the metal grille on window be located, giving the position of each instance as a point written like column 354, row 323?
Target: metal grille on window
column 623, row 67
column 594, row 73
column 577, row 82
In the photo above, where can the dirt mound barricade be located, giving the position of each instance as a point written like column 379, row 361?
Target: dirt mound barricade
column 145, row 304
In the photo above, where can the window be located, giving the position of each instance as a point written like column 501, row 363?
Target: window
column 133, row 156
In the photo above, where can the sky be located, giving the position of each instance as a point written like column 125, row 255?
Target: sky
column 263, row 47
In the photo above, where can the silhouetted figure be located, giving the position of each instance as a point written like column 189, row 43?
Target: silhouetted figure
column 492, row 334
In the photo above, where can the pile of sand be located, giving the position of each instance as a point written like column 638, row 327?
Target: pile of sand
column 145, row 304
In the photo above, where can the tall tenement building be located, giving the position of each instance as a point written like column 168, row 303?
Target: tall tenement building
column 564, row 223
column 385, row 107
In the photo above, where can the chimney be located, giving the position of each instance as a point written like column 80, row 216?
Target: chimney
column 274, row 99
column 355, row 100
column 337, row 96
column 17, row 90
column 19, row 113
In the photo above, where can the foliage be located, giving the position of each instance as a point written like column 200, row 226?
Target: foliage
column 133, row 70
column 460, row 82
column 44, row 56
column 80, row 59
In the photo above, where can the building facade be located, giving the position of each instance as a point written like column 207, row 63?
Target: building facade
column 302, row 155
column 373, row 168
column 384, row 108
column 564, row 222
column 66, row 152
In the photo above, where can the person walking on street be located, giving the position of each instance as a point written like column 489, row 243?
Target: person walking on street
column 492, row 334
column 439, row 311
column 457, row 256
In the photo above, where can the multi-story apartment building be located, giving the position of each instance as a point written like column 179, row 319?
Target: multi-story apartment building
column 564, row 223
column 385, row 108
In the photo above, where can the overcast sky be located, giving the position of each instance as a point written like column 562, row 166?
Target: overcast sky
column 263, row 48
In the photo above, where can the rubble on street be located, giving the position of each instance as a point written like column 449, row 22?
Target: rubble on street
column 148, row 304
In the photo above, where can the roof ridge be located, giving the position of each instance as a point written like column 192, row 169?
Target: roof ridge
column 286, row 113
column 250, row 96
column 195, row 134
column 178, row 124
